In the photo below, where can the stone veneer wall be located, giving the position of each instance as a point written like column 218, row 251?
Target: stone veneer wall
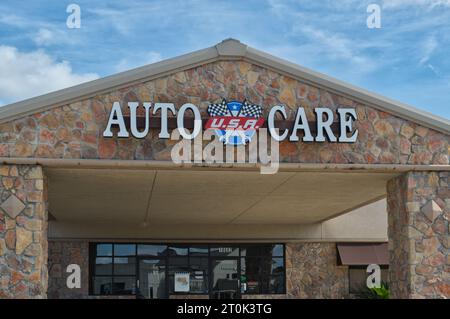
column 419, row 235
column 75, row 130
column 62, row 254
column 23, row 232
column 312, row 271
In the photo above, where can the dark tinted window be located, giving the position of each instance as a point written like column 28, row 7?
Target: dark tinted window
column 124, row 265
column 124, row 250
column 222, row 251
column 152, row 250
column 104, row 250
column 103, row 266
column 198, row 250
column 178, row 250
column 260, row 269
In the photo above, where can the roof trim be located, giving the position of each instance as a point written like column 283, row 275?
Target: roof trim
column 228, row 49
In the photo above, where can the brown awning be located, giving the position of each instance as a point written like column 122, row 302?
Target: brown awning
column 363, row 254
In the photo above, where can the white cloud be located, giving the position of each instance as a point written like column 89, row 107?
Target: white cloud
column 27, row 74
column 51, row 35
column 335, row 45
column 114, row 18
column 428, row 48
column 147, row 58
column 14, row 20
column 44, row 36
column 429, row 4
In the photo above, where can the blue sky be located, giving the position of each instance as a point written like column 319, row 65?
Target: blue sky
column 406, row 59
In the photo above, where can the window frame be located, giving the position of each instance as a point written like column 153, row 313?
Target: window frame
column 265, row 276
column 92, row 265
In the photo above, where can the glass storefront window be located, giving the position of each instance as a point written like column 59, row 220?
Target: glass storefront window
column 198, row 251
column 178, row 250
column 114, row 274
column 255, row 250
column 262, row 250
column 102, row 285
column 152, row 277
column 277, row 250
column 103, row 266
column 222, row 251
column 276, row 284
column 104, row 250
column 176, row 265
column 198, row 275
column 225, row 278
column 124, row 266
column 124, row 285
column 218, row 270
column 152, row 250
column 124, row 250
column 277, row 266
column 262, row 275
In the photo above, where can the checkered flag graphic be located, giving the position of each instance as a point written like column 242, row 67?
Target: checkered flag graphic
column 218, row 109
column 251, row 110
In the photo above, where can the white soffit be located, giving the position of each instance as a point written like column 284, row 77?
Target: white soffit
column 182, row 197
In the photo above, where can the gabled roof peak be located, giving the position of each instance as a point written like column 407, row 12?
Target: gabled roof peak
column 228, row 49
column 231, row 47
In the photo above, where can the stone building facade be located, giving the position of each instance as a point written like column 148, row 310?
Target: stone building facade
column 23, row 232
column 75, row 130
column 67, row 128
column 419, row 211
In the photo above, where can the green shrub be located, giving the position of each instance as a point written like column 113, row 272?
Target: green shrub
column 374, row 293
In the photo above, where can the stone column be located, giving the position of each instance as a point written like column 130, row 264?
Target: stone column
column 23, row 232
column 312, row 272
column 419, row 242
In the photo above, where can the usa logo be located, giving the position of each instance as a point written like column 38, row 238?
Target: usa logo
column 234, row 122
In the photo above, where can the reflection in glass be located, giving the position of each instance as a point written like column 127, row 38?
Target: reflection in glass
column 262, row 250
column 250, row 275
column 124, row 285
column 178, row 251
column 276, row 285
column 102, row 285
column 262, row 269
column 104, row 250
column 263, row 275
column 198, row 251
column 277, row 250
column 198, row 274
column 277, row 266
column 151, row 250
column 103, row 266
column 255, row 250
column 176, row 264
column 225, row 280
column 152, row 279
column 124, row 250
column 224, row 251
column 124, row 265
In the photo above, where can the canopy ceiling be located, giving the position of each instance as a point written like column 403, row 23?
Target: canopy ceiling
column 232, row 197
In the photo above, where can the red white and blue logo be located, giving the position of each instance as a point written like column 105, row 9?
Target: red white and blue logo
column 234, row 122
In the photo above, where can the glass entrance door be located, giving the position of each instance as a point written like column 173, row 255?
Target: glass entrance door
column 152, row 278
column 225, row 278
